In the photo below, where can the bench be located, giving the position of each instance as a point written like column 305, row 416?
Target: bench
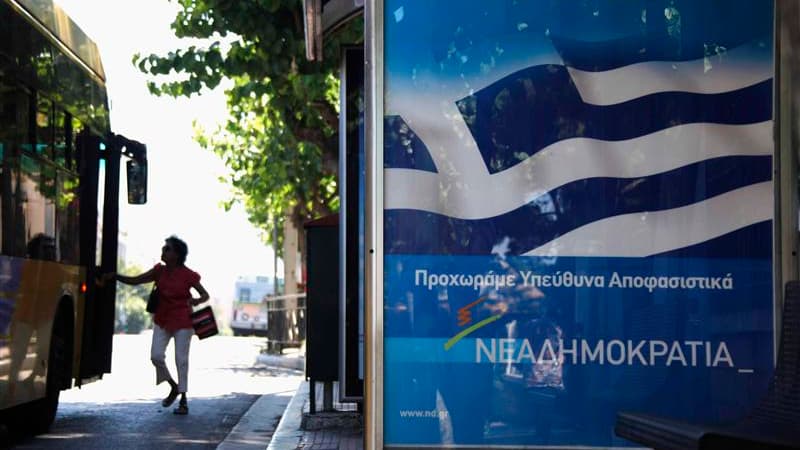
column 774, row 423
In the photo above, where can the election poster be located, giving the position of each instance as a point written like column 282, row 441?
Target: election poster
column 578, row 215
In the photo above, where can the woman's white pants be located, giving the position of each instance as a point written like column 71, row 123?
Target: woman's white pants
column 161, row 337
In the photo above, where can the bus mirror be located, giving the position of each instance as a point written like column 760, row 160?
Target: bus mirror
column 137, row 182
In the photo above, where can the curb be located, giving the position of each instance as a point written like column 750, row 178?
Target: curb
column 296, row 362
column 250, row 432
column 288, row 433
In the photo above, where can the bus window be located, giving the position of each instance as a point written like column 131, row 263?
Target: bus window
column 244, row 295
column 136, row 174
column 14, row 126
column 67, row 224
column 33, row 202
column 101, row 200
column 48, row 190
column 60, row 131
column 44, row 127
column 42, row 246
column 73, row 158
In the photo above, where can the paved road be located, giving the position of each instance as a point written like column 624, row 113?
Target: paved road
column 123, row 410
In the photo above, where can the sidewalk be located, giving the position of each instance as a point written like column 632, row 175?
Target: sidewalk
column 332, row 431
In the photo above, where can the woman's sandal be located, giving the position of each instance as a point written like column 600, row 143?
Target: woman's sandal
column 182, row 409
column 173, row 394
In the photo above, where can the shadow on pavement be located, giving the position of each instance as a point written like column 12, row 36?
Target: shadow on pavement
column 141, row 424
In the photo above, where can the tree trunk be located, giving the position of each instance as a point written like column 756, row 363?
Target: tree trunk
column 290, row 276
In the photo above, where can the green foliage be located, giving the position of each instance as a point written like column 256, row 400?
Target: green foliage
column 137, row 318
column 132, row 316
column 281, row 137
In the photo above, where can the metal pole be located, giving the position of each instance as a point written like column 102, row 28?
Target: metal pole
column 275, row 257
column 373, row 305
column 327, row 396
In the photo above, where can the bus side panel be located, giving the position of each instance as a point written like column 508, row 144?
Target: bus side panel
column 32, row 290
column 79, row 311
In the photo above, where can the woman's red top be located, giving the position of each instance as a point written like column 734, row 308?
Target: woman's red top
column 174, row 311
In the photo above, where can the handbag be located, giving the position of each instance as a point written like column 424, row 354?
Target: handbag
column 204, row 323
column 152, row 300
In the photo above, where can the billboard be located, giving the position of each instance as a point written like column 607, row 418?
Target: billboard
column 578, row 217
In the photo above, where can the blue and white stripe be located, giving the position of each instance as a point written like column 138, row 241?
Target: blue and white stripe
column 636, row 159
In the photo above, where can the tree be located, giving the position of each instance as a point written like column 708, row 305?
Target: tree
column 280, row 140
column 132, row 316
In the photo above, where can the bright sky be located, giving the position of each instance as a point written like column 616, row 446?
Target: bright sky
column 184, row 194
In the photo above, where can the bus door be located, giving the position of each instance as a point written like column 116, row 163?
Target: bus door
column 100, row 160
column 95, row 357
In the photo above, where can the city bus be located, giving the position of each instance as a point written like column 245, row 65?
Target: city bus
column 249, row 311
column 59, row 179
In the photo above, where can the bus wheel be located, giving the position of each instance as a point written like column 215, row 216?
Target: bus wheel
column 56, row 372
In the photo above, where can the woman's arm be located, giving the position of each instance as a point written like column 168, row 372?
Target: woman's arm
column 203, row 294
column 135, row 279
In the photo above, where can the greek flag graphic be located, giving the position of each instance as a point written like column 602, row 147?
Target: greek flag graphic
column 610, row 147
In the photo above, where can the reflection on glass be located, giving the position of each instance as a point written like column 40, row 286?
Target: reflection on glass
column 34, row 203
column 60, row 131
column 67, row 220
column 44, row 127
column 13, row 134
column 136, row 175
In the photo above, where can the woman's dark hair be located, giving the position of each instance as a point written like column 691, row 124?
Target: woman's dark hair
column 179, row 247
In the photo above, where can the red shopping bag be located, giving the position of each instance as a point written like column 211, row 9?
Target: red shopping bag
column 204, row 323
